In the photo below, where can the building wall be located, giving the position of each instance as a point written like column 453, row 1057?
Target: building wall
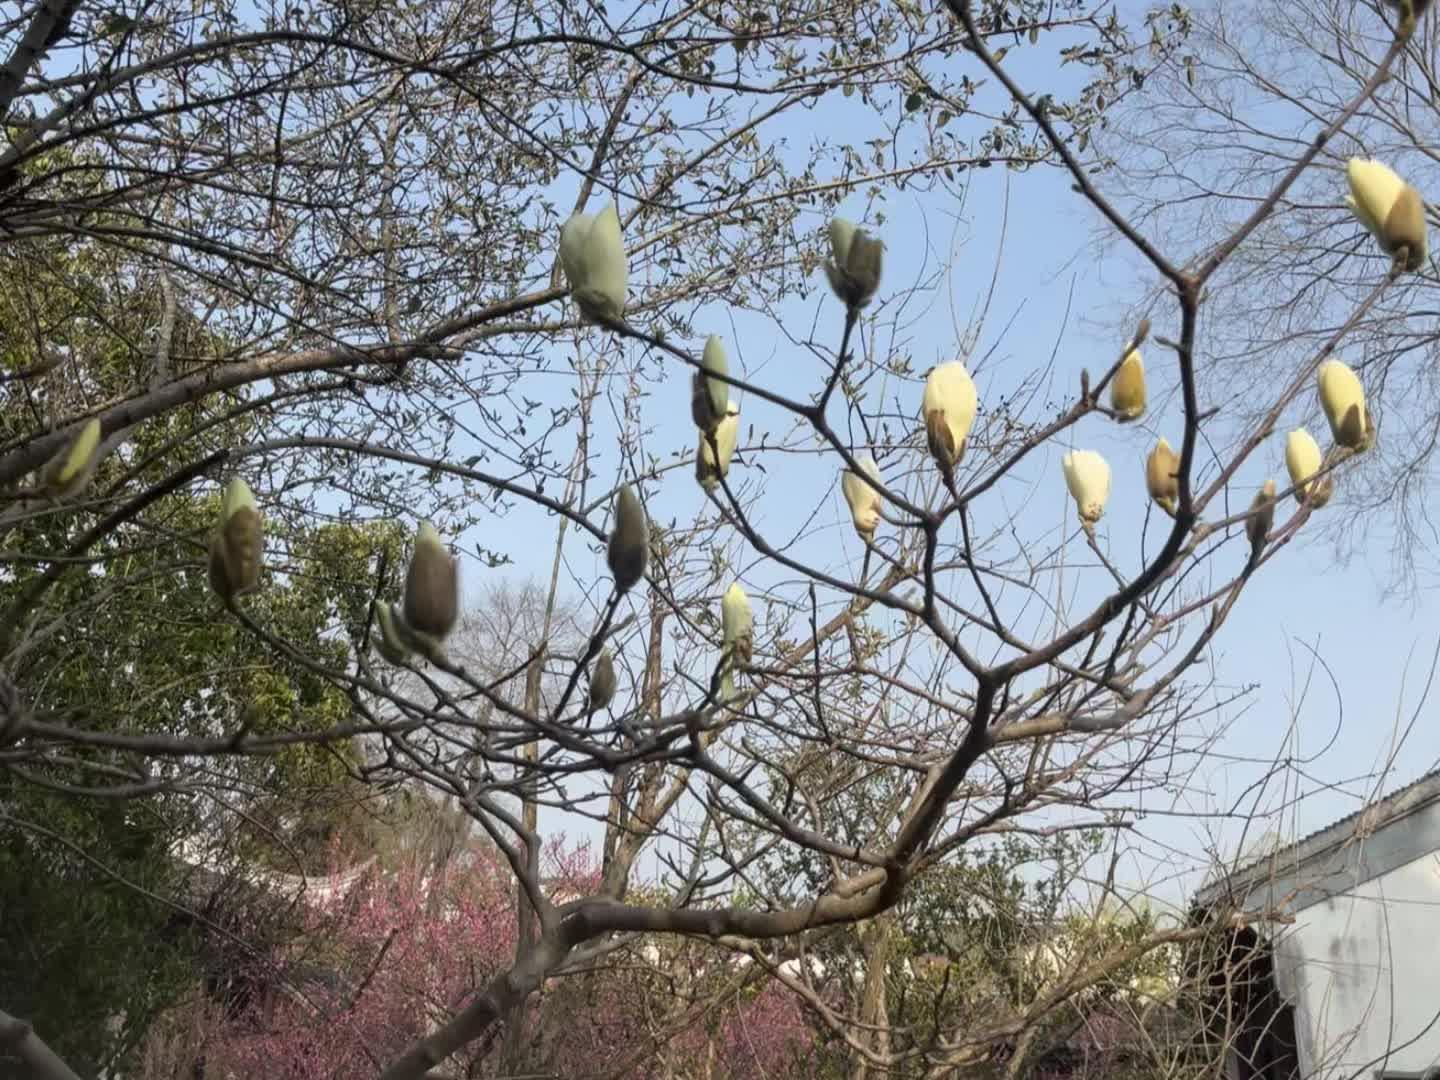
column 1362, row 968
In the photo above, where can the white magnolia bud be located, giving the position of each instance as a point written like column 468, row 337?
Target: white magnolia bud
column 948, row 410
column 1390, row 208
column 1343, row 398
column 709, row 467
column 1127, row 389
column 592, row 255
column 629, row 546
column 432, row 587
column 864, row 500
column 1162, row 479
column 854, row 264
column 737, row 623
column 237, row 544
column 1087, row 475
column 70, row 470
column 1303, row 460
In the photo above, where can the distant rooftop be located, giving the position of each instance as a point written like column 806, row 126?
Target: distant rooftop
column 1397, row 829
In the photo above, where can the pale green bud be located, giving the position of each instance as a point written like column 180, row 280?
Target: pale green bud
column 854, row 264
column 716, row 364
column 629, row 546
column 238, row 543
column 737, row 623
column 602, row 681
column 70, row 470
column 432, row 586
column 592, row 256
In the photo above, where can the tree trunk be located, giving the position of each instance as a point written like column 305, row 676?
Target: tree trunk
column 877, row 940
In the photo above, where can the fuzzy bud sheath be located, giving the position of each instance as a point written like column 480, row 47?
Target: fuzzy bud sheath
column 432, row 588
column 238, row 543
column 629, row 546
column 602, row 681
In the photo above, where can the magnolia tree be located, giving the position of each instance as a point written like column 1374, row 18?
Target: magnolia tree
column 402, row 323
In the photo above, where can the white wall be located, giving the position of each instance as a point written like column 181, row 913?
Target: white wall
column 1363, row 970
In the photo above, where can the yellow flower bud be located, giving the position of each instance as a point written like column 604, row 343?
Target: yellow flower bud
column 629, row 541
column 1087, row 475
column 592, row 256
column 1303, row 460
column 432, row 588
column 737, row 623
column 1390, row 208
column 708, row 467
column 864, row 500
column 1262, row 517
column 948, row 409
column 1127, row 389
column 602, row 682
column 237, row 544
column 1343, row 398
column 854, row 264
column 1162, row 479
column 391, row 642
column 70, row 470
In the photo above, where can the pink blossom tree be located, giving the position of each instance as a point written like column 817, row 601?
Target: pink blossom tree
column 368, row 971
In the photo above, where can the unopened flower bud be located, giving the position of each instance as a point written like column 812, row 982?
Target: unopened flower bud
column 602, row 681
column 1390, row 208
column 1303, row 460
column 1262, row 517
column 737, row 623
column 864, row 500
column 854, row 264
column 592, row 256
column 1162, row 475
column 432, row 587
column 713, row 463
column 716, row 402
column 948, row 409
column 70, row 470
column 629, row 541
column 1127, row 389
column 237, row 544
column 1343, row 398
column 1087, row 475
